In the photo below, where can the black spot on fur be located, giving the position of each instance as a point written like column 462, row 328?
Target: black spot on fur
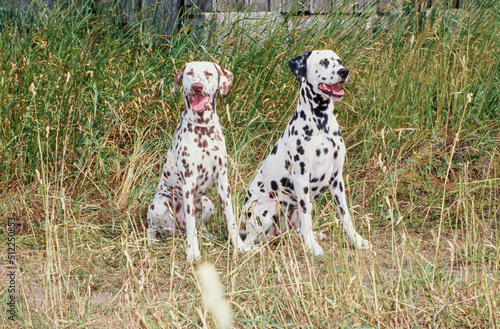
column 318, row 152
column 321, row 105
column 308, row 93
column 307, row 130
column 302, row 115
column 298, row 65
column 302, row 205
column 275, row 149
column 274, row 185
column 306, row 190
column 302, row 167
column 341, row 187
column 286, row 183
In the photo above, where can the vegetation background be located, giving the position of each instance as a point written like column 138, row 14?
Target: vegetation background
column 87, row 116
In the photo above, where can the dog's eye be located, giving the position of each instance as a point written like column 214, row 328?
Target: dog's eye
column 190, row 73
column 340, row 61
column 208, row 74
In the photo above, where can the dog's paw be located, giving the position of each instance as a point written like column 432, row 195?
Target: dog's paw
column 316, row 250
column 152, row 237
column 242, row 247
column 319, row 236
column 362, row 243
column 193, row 255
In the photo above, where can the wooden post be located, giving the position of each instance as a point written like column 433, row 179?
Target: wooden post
column 161, row 15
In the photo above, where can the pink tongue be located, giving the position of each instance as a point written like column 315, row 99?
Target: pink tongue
column 336, row 90
column 199, row 102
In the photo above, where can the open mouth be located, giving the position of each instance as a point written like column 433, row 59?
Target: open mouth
column 198, row 102
column 332, row 90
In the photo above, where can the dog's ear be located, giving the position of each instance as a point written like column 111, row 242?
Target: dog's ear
column 178, row 78
column 298, row 65
column 225, row 79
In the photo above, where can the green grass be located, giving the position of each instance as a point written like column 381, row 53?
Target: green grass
column 87, row 114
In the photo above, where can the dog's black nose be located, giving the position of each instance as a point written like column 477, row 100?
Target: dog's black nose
column 197, row 87
column 343, row 73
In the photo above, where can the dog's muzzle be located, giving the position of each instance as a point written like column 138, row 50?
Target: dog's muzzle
column 198, row 102
column 332, row 90
column 197, row 99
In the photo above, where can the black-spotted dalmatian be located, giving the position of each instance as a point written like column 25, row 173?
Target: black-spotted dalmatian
column 307, row 159
column 196, row 157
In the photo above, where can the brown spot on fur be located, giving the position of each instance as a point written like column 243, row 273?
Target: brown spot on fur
column 225, row 79
column 178, row 78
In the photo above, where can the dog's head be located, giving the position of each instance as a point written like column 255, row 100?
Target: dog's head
column 323, row 70
column 201, row 81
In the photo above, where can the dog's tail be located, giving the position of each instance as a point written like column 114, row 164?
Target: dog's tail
column 212, row 296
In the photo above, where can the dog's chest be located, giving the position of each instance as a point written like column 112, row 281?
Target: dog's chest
column 322, row 152
column 201, row 140
column 197, row 154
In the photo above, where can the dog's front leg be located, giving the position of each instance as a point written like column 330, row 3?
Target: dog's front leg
column 188, row 193
column 224, row 192
column 338, row 193
column 304, row 204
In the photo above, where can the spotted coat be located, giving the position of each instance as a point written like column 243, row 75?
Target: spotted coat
column 305, row 161
column 196, row 158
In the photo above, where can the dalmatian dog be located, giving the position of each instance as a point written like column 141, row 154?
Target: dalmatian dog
column 196, row 157
column 306, row 160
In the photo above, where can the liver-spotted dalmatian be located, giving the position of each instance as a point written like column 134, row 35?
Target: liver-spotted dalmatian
column 307, row 159
column 196, row 157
